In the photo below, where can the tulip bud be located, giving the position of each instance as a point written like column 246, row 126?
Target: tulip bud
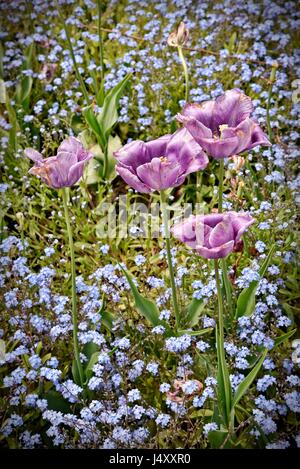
column 238, row 161
column 179, row 37
column 20, row 219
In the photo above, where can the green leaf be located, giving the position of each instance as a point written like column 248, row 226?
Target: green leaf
column 246, row 299
column 95, row 127
column 282, row 338
column 100, row 95
column 89, row 367
column 107, row 319
column 246, row 383
column 196, row 333
column 217, row 438
column 89, row 349
column 109, row 114
column 2, row 349
column 201, row 413
column 2, row 92
column 56, row 401
column 75, row 373
column 145, row 307
column 23, row 89
column 225, row 391
column 194, row 310
column 93, row 171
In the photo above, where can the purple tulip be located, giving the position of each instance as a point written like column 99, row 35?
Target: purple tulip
column 223, row 127
column 161, row 163
column 64, row 169
column 213, row 236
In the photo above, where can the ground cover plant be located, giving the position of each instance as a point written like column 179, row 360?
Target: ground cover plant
column 149, row 232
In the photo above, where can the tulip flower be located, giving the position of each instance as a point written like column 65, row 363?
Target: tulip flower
column 59, row 172
column 213, row 236
column 64, row 169
column 160, row 164
column 223, row 127
column 179, row 37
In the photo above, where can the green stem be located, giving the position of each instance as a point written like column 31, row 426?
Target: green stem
column 221, row 177
column 73, row 278
column 220, row 303
column 105, row 161
column 99, row 6
column 169, row 256
column 78, row 76
column 223, row 262
column 185, row 71
column 272, row 80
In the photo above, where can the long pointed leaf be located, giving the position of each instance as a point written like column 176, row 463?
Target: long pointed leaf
column 145, row 307
column 109, row 113
column 246, row 383
column 246, row 299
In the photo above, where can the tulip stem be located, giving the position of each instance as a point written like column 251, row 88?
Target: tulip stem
column 73, row 278
column 220, row 303
column 221, row 177
column 99, row 6
column 185, row 71
column 223, row 261
column 272, row 81
column 77, row 73
column 169, row 256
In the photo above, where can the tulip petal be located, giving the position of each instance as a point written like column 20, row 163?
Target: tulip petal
column 131, row 179
column 183, row 148
column 159, row 174
column 231, row 108
column 196, row 128
column 133, row 154
column 202, row 112
column 220, row 148
column 221, row 233
column 240, row 223
column 157, row 148
column 33, row 155
column 217, row 252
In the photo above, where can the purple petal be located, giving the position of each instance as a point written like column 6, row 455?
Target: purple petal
column 231, row 108
column 157, row 148
column 220, row 148
column 240, row 223
column 212, row 219
column 133, row 154
column 33, row 155
column 131, row 179
column 196, row 128
column 202, row 112
column 221, row 233
column 183, row 148
column 159, row 174
column 217, row 252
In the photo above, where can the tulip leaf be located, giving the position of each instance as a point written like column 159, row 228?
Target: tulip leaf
column 282, row 338
column 194, row 310
column 217, row 438
column 56, row 401
column 109, row 114
column 146, row 307
column 224, row 385
column 2, row 92
column 246, row 383
column 75, row 373
column 246, row 299
column 89, row 367
column 95, row 127
column 23, row 89
column 196, row 333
